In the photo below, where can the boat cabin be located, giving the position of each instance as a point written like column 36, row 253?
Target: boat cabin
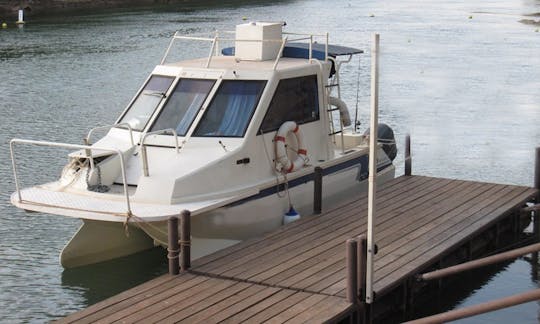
column 207, row 126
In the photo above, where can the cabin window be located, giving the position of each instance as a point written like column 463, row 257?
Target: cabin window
column 231, row 109
column 147, row 101
column 295, row 99
column 183, row 105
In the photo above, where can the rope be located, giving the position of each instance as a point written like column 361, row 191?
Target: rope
column 306, row 159
column 73, row 165
column 276, row 174
column 99, row 187
column 141, row 221
column 126, row 226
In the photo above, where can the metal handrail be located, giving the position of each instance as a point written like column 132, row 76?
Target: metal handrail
column 87, row 139
column 216, row 39
column 281, row 48
column 144, row 156
column 72, row 146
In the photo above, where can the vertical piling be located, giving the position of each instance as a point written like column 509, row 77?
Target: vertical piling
column 20, row 20
column 352, row 271
column 536, row 183
column 537, row 169
column 185, row 240
column 362, row 263
column 317, row 191
column 408, row 160
column 172, row 249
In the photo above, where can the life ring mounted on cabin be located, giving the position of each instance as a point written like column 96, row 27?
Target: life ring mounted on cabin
column 283, row 163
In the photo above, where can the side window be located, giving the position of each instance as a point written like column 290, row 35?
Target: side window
column 296, row 99
column 231, row 109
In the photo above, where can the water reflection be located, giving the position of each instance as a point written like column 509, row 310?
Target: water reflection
column 105, row 279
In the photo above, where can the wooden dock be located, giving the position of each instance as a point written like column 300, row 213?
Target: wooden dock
column 298, row 272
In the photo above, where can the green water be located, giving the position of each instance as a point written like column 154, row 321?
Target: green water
column 462, row 77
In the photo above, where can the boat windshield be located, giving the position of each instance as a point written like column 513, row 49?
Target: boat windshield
column 147, row 101
column 183, row 105
column 231, row 109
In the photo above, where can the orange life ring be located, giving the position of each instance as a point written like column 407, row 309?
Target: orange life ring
column 283, row 163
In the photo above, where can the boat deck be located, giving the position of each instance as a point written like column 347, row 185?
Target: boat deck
column 298, row 273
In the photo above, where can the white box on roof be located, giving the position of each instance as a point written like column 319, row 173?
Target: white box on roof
column 259, row 50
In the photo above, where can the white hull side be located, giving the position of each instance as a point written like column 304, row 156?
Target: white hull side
column 98, row 241
column 259, row 216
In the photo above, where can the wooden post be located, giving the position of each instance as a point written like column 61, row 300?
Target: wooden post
column 352, row 272
column 172, row 248
column 185, row 240
column 317, row 191
column 537, row 170
column 362, row 263
column 536, row 219
column 408, row 160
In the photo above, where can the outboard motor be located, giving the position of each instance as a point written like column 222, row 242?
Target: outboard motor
column 386, row 137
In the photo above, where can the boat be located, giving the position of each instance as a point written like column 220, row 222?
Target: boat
column 233, row 137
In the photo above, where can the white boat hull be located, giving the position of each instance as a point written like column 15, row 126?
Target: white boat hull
column 216, row 223
column 98, row 241
column 255, row 217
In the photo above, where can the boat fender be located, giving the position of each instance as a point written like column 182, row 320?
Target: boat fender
column 343, row 110
column 283, row 164
column 290, row 216
column 387, row 139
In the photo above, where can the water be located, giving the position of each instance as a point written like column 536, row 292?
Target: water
column 463, row 77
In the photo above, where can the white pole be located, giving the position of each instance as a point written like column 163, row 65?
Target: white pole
column 372, row 165
column 21, row 16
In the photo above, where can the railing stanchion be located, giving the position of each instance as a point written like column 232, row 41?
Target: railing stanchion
column 14, row 165
column 144, row 154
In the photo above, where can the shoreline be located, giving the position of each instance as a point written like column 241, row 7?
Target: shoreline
column 45, row 8
column 9, row 8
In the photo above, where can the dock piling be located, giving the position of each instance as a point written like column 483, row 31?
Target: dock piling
column 362, row 264
column 536, row 184
column 537, row 170
column 408, row 159
column 352, row 272
column 317, row 191
column 185, row 240
column 172, row 248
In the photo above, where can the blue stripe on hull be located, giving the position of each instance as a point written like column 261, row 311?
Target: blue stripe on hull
column 363, row 173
